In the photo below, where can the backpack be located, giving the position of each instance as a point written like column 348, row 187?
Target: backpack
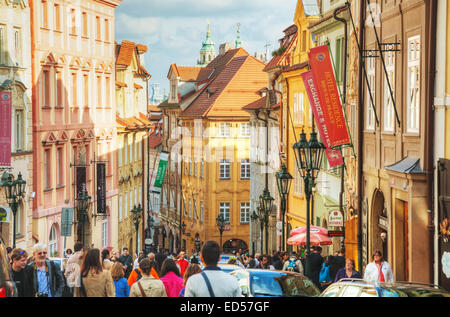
column 324, row 276
column 291, row 265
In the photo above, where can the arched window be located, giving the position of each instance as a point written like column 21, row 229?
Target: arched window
column 53, row 242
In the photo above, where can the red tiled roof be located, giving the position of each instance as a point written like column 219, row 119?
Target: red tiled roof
column 144, row 118
column 125, row 54
column 278, row 59
column 155, row 141
column 191, row 74
column 258, row 104
column 142, row 48
column 221, row 61
column 142, row 71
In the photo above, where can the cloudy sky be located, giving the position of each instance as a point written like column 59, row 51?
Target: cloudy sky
column 174, row 30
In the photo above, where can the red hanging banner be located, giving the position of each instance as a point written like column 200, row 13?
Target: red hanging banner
column 319, row 59
column 5, row 128
column 334, row 156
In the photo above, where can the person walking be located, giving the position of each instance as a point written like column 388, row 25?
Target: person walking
column 315, row 265
column 19, row 273
column 348, row 271
column 147, row 286
column 106, row 259
column 265, row 263
column 336, row 263
column 95, row 281
column 72, row 273
column 138, row 258
column 127, row 261
column 192, row 269
column 45, row 275
column 276, row 261
column 212, row 281
column 292, row 264
column 378, row 270
column 182, row 262
column 136, row 274
column 120, row 283
column 170, row 276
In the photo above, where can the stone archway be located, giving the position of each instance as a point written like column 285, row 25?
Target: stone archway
column 378, row 225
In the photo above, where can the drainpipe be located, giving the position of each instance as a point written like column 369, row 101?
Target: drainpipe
column 360, row 135
column 344, row 100
column 430, row 128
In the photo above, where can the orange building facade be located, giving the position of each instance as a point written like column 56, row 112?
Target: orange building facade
column 73, row 64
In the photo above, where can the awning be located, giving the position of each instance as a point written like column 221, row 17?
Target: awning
column 408, row 165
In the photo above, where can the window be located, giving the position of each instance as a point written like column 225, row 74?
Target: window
column 120, row 208
column 73, row 19
column 98, row 34
column 299, row 108
column 104, row 233
column 44, row 14
column 74, row 90
column 99, row 91
column 46, row 88
column 135, row 198
column 2, row 43
column 245, row 129
column 202, row 167
column 413, row 85
column 19, row 130
column 190, row 209
column 195, row 169
column 130, row 152
column 370, row 114
column 184, row 207
column 86, row 90
column 224, row 169
column 140, row 196
column 85, row 24
column 106, row 30
column 245, row 213
column 47, row 169
column 53, row 242
column 224, row 129
column 340, row 60
column 130, row 200
column 126, row 206
column 17, row 46
column 304, row 40
column 201, row 212
column 195, row 210
column 224, row 210
column 298, row 182
column 57, row 11
column 59, row 89
column 125, row 147
column 135, row 147
column 245, row 169
column 60, row 166
column 108, row 92
column 388, row 105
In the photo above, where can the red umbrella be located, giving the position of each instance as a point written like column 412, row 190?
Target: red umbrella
column 314, row 237
column 312, row 229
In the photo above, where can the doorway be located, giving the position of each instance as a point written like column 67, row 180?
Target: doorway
column 401, row 240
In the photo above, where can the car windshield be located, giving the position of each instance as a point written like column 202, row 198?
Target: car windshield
column 413, row 292
column 276, row 284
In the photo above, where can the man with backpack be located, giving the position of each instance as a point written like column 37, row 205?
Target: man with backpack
column 136, row 274
column 293, row 265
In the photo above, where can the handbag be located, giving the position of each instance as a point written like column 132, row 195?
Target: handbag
column 324, row 276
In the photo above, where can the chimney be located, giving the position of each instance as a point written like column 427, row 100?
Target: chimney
column 225, row 47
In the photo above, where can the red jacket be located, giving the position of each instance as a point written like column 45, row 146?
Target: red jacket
column 183, row 263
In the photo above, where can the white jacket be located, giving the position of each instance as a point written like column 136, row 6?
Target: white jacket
column 72, row 273
column 371, row 273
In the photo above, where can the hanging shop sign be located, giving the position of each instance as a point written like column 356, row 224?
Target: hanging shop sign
column 335, row 219
column 66, row 222
column 162, row 167
column 334, row 156
column 333, row 116
column 101, row 188
column 383, row 222
column 4, row 213
column 5, row 128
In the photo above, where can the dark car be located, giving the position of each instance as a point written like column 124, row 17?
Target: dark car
column 7, row 285
column 266, row 283
column 361, row 288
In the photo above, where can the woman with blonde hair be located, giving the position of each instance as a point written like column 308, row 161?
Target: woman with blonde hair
column 192, row 269
column 120, row 282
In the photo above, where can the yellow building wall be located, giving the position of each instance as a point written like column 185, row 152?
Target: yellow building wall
column 447, row 90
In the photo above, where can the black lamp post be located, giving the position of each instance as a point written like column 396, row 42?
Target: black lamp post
column 220, row 221
column 83, row 203
column 284, row 180
column 137, row 215
column 265, row 205
column 14, row 191
column 254, row 218
column 309, row 158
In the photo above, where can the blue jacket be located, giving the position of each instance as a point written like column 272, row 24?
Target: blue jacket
column 122, row 288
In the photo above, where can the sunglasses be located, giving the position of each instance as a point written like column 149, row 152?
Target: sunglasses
column 19, row 255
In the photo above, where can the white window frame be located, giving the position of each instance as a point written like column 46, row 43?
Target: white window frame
column 190, row 208
column 201, row 211
column 224, row 169
column 104, row 233
column 413, row 85
column 245, row 169
column 195, row 209
column 388, row 122
column 224, row 129
column 299, row 108
column 245, row 213
column 52, row 241
column 120, row 207
column 125, row 211
column 370, row 115
column 245, row 129
column 224, row 210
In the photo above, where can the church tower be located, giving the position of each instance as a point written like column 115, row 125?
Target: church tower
column 208, row 51
column 238, row 42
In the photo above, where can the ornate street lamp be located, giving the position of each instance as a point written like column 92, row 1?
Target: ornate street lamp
column 183, row 228
column 284, row 180
column 137, row 215
column 254, row 219
column 220, row 221
column 14, row 191
column 265, row 204
column 83, row 203
column 309, row 159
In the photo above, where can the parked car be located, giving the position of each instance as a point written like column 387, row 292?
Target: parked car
column 228, row 268
column 361, row 288
column 224, row 258
column 7, row 285
column 266, row 283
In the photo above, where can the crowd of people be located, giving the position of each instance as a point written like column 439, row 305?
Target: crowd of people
column 105, row 273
